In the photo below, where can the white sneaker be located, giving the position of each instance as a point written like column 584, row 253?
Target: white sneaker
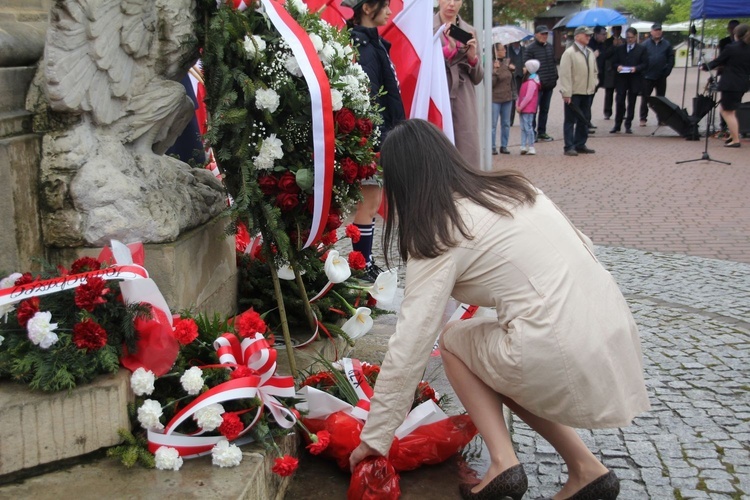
column 523, row 150
column 532, row 151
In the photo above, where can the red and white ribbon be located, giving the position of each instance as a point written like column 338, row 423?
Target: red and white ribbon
column 322, row 111
column 256, row 354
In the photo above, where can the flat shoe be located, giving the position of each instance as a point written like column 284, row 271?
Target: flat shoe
column 727, row 141
column 732, row 145
column 512, row 482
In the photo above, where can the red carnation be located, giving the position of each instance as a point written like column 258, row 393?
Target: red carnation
column 350, row 170
column 268, row 184
column 364, row 125
column 362, row 141
column 248, row 323
column 25, row 279
column 425, row 392
column 319, row 442
column 90, row 294
column 333, row 222
column 26, row 310
column 288, row 183
column 231, row 426
column 85, row 264
column 89, row 335
column 345, row 120
column 320, row 379
column 330, row 238
column 353, row 232
column 287, row 201
column 241, row 372
column 285, row 466
column 185, row 331
column 357, row 260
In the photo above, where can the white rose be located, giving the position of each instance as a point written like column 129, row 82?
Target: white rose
column 299, row 6
column 142, row 382
column 316, row 41
column 41, row 331
column 267, row 99
column 327, row 54
column 337, row 100
column 192, row 381
column 209, row 418
column 292, row 66
column 224, row 454
column 250, row 47
column 167, row 458
column 149, row 414
column 10, row 280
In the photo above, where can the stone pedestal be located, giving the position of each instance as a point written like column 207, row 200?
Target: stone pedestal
column 197, row 271
column 37, row 428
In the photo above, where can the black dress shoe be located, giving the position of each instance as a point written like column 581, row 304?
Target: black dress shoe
column 605, row 487
column 511, row 483
column 586, row 151
column 628, row 131
column 570, row 152
column 615, row 130
column 504, row 151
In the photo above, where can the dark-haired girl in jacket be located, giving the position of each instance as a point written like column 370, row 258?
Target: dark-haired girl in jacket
column 376, row 62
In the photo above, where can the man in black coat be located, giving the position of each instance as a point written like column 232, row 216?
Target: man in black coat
column 660, row 64
column 515, row 54
column 544, row 52
column 629, row 61
column 609, row 72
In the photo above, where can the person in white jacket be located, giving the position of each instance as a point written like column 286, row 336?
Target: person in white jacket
column 563, row 350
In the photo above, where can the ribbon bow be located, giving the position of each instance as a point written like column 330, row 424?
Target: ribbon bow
column 255, row 353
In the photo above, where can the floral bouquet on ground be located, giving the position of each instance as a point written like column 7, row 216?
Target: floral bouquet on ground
column 222, row 392
column 65, row 326
column 336, row 401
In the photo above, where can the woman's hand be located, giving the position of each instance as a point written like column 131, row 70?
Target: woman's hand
column 360, row 453
column 471, row 49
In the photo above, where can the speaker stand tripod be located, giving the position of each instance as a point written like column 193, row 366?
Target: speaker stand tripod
column 711, row 92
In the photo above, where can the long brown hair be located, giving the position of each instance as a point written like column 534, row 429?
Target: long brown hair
column 424, row 174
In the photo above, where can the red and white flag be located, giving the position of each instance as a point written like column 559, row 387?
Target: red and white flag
column 417, row 55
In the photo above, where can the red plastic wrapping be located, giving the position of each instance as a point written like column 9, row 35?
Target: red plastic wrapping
column 433, row 443
column 157, row 347
column 374, row 478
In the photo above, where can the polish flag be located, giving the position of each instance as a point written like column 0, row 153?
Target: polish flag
column 417, row 55
column 333, row 12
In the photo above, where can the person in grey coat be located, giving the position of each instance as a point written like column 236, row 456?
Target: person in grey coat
column 660, row 63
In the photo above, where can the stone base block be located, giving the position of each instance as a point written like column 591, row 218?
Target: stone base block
column 37, row 428
column 198, row 478
column 198, row 270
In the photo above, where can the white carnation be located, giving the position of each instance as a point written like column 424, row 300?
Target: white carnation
column 292, row 66
column 357, row 71
column 340, row 52
column 224, row 454
column 250, row 47
column 10, row 280
column 167, row 458
column 327, row 54
column 298, row 5
column 6, row 309
column 192, row 381
column 270, row 150
column 142, row 382
column 41, row 331
column 348, row 51
column 352, row 84
column 209, row 418
column 149, row 414
column 316, row 41
column 337, row 100
column 267, row 99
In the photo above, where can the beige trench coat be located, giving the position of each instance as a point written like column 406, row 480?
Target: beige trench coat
column 462, row 77
column 564, row 344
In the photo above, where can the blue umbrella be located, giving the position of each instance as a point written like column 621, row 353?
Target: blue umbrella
column 595, row 17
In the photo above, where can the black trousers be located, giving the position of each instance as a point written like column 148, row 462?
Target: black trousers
column 627, row 92
column 659, row 85
column 609, row 98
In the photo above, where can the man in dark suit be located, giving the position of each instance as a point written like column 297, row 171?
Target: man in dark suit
column 609, row 73
column 629, row 61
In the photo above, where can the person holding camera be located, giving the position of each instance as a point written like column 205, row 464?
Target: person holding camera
column 735, row 80
column 464, row 71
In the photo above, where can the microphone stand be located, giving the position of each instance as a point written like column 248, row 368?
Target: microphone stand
column 711, row 88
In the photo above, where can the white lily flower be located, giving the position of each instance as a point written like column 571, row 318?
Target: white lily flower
column 337, row 268
column 384, row 288
column 359, row 324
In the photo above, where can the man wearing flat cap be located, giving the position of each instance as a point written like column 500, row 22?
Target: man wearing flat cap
column 543, row 51
column 660, row 63
column 578, row 80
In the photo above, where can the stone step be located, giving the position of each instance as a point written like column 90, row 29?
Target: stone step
column 15, row 123
column 38, row 428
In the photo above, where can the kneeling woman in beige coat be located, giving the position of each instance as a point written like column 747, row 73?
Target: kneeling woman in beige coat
column 562, row 352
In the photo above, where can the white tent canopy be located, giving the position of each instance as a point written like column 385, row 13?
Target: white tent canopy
column 645, row 26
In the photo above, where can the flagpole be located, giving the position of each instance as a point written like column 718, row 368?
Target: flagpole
column 483, row 25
